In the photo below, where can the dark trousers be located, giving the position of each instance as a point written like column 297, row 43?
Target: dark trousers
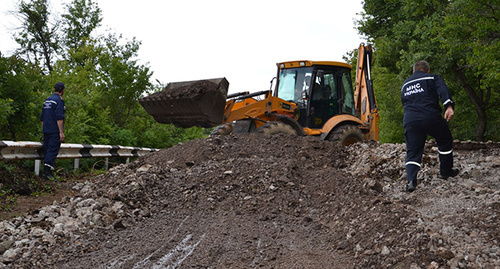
column 52, row 145
column 415, row 135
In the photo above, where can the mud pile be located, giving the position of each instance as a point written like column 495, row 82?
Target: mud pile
column 273, row 202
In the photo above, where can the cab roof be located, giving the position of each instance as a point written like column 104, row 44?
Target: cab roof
column 304, row 63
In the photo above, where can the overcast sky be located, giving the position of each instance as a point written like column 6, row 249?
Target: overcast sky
column 240, row 40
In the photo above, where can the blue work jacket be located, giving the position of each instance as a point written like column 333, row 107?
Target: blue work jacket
column 52, row 111
column 420, row 95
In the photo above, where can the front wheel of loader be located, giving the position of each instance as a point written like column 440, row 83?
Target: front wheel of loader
column 224, row 129
column 276, row 127
column 346, row 135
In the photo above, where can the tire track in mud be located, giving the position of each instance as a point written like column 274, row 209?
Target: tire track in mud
column 168, row 257
column 144, row 247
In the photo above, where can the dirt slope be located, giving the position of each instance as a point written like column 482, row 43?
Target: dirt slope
column 272, row 202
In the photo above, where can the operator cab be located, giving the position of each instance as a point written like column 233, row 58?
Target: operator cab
column 321, row 90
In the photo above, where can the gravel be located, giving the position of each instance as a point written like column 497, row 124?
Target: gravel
column 255, row 201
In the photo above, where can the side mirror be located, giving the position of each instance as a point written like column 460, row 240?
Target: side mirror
column 272, row 83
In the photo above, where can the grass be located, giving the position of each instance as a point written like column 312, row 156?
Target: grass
column 8, row 200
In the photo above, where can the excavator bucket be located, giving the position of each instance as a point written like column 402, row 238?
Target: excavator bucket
column 189, row 103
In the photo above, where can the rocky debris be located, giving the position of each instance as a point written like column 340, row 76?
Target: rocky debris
column 280, row 201
column 461, row 214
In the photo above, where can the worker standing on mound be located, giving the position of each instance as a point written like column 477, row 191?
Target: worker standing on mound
column 420, row 96
column 52, row 118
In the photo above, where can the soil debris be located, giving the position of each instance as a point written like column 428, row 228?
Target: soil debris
column 248, row 201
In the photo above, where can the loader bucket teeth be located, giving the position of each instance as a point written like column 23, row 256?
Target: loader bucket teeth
column 189, row 103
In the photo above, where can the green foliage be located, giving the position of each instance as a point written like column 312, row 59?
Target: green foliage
column 20, row 85
column 7, row 198
column 6, row 107
column 82, row 19
column 459, row 39
column 470, row 34
column 38, row 37
column 103, row 79
column 386, row 86
column 122, row 79
column 471, row 28
column 387, row 91
column 151, row 134
column 123, row 137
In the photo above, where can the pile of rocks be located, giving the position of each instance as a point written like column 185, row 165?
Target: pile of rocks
column 295, row 196
column 461, row 212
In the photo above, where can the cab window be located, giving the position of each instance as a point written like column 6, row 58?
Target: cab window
column 348, row 104
column 292, row 82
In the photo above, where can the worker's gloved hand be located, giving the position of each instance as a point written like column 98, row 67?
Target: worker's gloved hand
column 448, row 114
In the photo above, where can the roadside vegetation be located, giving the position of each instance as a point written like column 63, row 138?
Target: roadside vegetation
column 104, row 79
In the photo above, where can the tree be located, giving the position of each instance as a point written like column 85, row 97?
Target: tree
column 81, row 19
column 20, row 100
column 123, row 79
column 103, row 79
column 38, row 37
column 470, row 34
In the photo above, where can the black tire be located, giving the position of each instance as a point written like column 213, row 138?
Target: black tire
column 276, row 127
column 224, row 129
column 346, row 135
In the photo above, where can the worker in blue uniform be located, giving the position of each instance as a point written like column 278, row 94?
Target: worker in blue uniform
column 52, row 118
column 420, row 95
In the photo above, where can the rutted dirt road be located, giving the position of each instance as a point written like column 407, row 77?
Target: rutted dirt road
column 271, row 202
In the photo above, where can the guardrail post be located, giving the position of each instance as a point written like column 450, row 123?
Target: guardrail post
column 106, row 162
column 38, row 163
column 77, row 164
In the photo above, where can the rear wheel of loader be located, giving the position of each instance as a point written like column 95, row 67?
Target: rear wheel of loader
column 224, row 129
column 276, row 127
column 346, row 135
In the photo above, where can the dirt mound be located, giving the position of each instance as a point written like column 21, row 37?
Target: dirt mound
column 274, row 202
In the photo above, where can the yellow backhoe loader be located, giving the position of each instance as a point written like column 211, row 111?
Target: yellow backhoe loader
column 308, row 98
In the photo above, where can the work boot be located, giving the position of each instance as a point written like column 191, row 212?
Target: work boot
column 412, row 185
column 453, row 172
column 47, row 172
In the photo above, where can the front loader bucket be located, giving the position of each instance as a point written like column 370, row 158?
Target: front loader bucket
column 189, row 103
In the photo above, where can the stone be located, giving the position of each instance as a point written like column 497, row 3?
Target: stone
column 37, row 232
column 78, row 186
column 385, row 251
column 143, row 169
column 5, row 245
column 11, row 254
column 48, row 239
column 445, row 253
column 58, row 229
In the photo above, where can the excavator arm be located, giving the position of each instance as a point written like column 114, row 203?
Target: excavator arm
column 364, row 96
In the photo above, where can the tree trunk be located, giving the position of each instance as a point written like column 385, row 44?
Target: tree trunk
column 481, row 129
column 476, row 100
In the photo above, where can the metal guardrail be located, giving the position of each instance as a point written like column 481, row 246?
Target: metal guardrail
column 26, row 150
